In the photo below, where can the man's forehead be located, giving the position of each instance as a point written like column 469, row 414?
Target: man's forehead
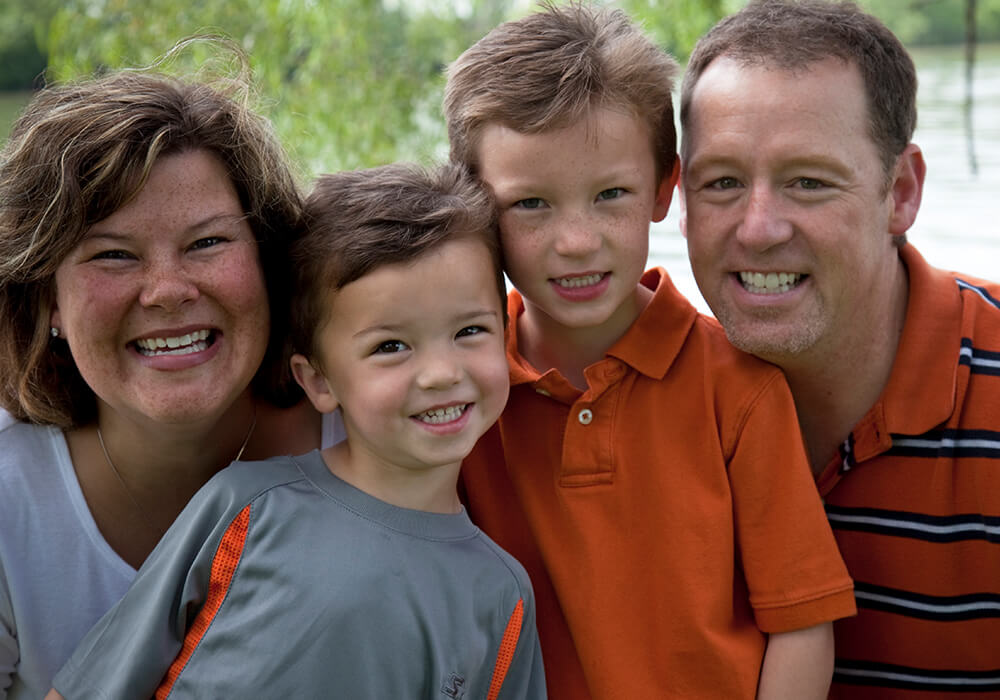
column 827, row 89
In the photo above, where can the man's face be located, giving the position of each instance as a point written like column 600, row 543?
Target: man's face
column 785, row 208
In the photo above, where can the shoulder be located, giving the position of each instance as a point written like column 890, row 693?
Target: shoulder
column 506, row 562
column 731, row 373
column 30, row 455
column 242, row 483
column 15, row 434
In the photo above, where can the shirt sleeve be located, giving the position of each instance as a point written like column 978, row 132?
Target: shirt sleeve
column 793, row 569
column 128, row 652
column 525, row 678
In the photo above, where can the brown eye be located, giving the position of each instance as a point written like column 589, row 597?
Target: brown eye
column 389, row 346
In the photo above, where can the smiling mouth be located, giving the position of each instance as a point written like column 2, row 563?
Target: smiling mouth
column 770, row 282
column 436, row 416
column 176, row 345
column 574, row 282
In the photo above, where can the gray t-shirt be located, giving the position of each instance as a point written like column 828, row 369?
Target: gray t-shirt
column 281, row 580
column 58, row 575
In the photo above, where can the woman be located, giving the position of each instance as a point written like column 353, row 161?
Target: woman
column 144, row 227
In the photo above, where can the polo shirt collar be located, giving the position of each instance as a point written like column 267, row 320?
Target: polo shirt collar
column 649, row 346
column 653, row 342
column 920, row 394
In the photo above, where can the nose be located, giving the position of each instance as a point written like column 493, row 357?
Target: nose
column 763, row 225
column 577, row 235
column 167, row 285
column 440, row 369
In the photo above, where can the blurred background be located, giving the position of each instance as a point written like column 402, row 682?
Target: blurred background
column 356, row 83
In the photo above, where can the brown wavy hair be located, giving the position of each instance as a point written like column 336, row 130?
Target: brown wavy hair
column 79, row 152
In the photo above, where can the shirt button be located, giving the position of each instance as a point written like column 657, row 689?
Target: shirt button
column 585, row 416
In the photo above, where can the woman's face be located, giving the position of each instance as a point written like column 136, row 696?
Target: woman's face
column 163, row 303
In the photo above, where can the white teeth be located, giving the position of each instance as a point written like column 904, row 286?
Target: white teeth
column 770, row 283
column 571, row 282
column 176, row 345
column 442, row 415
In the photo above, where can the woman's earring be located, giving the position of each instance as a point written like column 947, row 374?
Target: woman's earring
column 54, row 331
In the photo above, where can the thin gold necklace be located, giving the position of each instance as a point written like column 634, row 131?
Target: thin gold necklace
column 128, row 492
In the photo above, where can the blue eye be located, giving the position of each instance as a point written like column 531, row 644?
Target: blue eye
column 725, row 183
column 530, row 203
column 390, row 346
column 808, row 183
column 611, row 193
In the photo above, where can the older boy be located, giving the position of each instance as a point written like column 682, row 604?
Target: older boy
column 351, row 572
column 650, row 477
column 798, row 119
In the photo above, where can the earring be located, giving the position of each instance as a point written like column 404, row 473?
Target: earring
column 54, row 331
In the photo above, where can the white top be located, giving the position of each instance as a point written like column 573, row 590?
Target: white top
column 58, row 575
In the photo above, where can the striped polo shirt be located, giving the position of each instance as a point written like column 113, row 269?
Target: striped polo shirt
column 914, row 502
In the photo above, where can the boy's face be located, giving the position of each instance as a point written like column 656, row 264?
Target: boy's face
column 575, row 206
column 414, row 356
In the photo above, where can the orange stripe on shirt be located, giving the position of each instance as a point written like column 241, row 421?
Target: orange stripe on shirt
column 507, row 647
column 227, row 557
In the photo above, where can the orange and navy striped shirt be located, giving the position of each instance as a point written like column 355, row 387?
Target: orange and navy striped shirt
column 914, row 502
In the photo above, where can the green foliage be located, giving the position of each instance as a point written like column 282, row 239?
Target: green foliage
column 918, row 22
column 348, row 80
column 677, row 25
column 354, row 83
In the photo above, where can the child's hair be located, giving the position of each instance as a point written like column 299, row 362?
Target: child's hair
column 357, row 221
column 550, row 69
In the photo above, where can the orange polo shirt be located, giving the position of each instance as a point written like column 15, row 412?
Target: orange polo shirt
column 914, row 501
column 667, row 515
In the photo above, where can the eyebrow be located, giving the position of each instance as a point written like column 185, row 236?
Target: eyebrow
column 795, row 161
column 208, row 222
column 395, row 327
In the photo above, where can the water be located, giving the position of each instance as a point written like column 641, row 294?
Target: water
column 956, row 228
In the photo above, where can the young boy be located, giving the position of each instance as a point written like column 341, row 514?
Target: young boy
column 650, row 477
column 352, row 572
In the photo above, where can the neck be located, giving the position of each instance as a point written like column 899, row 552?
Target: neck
column 836, row 384
column 159, row 466
column 548, row 344
column 432, row 489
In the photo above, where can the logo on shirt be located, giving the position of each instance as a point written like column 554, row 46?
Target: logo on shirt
column 454, row 687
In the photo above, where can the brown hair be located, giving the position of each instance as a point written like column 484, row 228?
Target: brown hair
column 793, row 35
column 357, row 221
column 551, row 68
column 78, row 153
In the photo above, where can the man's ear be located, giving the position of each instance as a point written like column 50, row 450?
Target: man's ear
column 314, row 384
column 906, row 190
column 665, row 192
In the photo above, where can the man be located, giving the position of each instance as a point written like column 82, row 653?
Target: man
column 799, row 183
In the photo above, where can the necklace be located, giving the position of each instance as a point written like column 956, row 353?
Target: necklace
column 128, row 492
